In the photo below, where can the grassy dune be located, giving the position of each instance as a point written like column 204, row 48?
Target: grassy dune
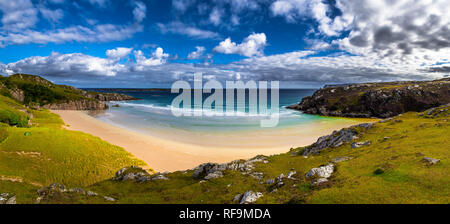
column 405, row 178
column 47, row 153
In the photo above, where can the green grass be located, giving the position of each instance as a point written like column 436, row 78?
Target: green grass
column 38, row 91
column 12, row 113
column 52, row 154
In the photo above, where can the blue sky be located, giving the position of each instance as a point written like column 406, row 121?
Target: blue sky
column 152, row 43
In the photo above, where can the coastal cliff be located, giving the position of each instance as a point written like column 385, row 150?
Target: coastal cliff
column 380, row 100
column 37, row 92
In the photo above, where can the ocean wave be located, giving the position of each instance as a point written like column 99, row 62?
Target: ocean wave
column 207, row 112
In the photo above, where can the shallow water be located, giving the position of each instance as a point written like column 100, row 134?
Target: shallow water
column 152, row 115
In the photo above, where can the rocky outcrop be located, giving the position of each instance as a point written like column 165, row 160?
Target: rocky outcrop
column 209, row 171
column 336, row 139
column 137, row 174
column 248, row 197
column 59, row 192
column 78, row 105
column 431, row 161
column 321, row 172
column 376, row 99
column 7, row 199
column 110, row 97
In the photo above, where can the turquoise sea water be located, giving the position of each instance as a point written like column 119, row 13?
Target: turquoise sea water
column 152, row 115
column 154, row 110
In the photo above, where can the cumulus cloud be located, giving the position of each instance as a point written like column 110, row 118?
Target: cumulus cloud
column 157, row 58
column 184, row 29
column 66, row 65
column 250, row 46
column 118, row 53
column 198, row 53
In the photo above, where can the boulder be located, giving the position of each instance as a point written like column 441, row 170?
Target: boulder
column 7, row 198
column 321, row 172
column 291, row 174
column 160, row 177
column 320, row 181
column 360, row 144
column 341, row 159
column 431, row 161
column 250, row 197
column 336, row 139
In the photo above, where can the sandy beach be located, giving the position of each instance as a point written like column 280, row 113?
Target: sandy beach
column 163, row 154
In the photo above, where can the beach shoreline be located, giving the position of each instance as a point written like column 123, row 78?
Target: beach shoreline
column 168, row 155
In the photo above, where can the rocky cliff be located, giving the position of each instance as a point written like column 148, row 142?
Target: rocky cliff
column 376, row 99
column 78, row 105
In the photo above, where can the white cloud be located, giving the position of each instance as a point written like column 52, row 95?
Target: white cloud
column 67, row 64
column 19, row 22
column 18, row 14
column 215, row 17
column 118, row 53
column 198, row 53
column 157, row 58
column 251, row 46
column 101, row 3
column 190, row 31
column 51, row 15
column 139, row 11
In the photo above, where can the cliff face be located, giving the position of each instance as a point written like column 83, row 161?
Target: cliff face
column 78, row 105
column 376, row 99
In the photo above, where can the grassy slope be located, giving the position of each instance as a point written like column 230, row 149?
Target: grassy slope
column 12, row 113
column 40, row 91
column 406, row 178
column 53, row 154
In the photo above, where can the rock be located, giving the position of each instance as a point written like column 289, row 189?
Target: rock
column 109, row 198
column 336, row 139
column 381, row 100
column 78, row 105
column 160, row 177
column 341, row 159
column 7, row 198
column 250, row 197
column 291, row 174
column 322, row 172
column 91, row 193
column 214, row 175
column 360, row 144
column 280, row 178
column 237, row 198
column 431, row 161
column 245, row 167
column 270, row 181
column 133, row 173
column 320, row 181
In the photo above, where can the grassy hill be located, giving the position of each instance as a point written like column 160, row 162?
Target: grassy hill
column 41, row 152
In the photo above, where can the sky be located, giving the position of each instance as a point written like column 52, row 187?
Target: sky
column 153, row 43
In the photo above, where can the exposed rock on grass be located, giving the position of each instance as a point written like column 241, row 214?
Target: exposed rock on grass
column 134, row 173
column 341, row 159
column 360, row 144
column 213, row 170
column 322, row 172
column 249, row 197
column 7, row 198
column 431, row 161
column 336, row 139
